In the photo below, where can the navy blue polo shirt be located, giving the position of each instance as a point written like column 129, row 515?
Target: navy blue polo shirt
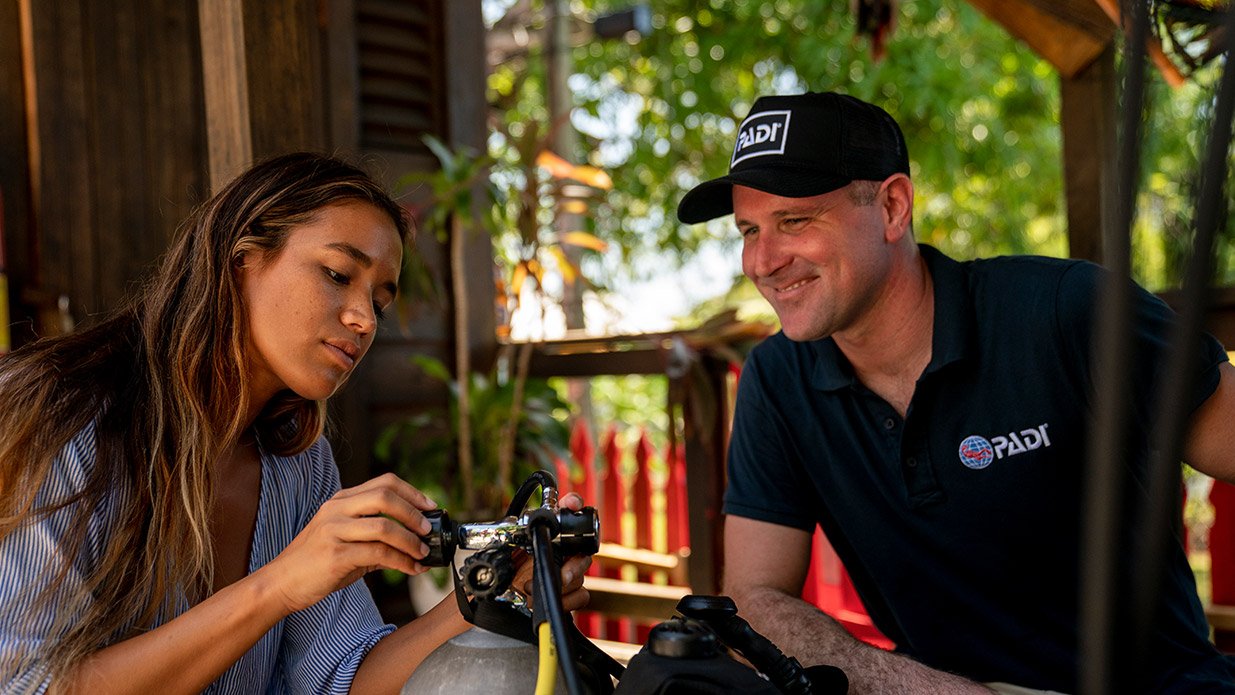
column 959, row 523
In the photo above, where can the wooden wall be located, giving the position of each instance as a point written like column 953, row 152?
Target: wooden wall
column 104, row 157
column 117, row 117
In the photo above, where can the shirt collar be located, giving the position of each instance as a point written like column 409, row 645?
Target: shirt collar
column 951, row 334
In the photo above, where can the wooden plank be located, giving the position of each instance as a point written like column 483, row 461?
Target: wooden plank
column 283, row 60
column 15, row 222
column 1220, row 617
column 225, row 84
column 597, row 364
column 1088, row 120
column 173, row 123
column 638, row 599
column 394, row 11
column 1062, row 31
column 395, row 118
column 612, row 554
column 461, row 81
column 342, row 75
column 62, row 188
column 622, row 652
column 113, row 81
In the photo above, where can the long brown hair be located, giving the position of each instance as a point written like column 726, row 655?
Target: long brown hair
column 165, row 384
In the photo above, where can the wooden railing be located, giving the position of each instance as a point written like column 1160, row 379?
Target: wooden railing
column 661, row 518
column 661, row 536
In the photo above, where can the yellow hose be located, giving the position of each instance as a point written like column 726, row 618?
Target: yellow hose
column 546, row 678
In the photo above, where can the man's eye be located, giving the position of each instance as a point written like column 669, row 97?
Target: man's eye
column 336, row 276
column 749, row 231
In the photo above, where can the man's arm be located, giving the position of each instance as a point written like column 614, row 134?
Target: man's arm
column 765, row 565
column 1210, row 447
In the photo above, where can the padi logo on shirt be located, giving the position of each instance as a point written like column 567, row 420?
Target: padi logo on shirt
column 762, row 133
column 978, row 452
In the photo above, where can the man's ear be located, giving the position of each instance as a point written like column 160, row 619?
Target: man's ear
column 897, row 201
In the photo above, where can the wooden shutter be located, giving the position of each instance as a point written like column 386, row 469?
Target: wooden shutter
column 402, row 76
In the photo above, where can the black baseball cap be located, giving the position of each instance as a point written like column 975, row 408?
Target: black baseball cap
column 803, row 145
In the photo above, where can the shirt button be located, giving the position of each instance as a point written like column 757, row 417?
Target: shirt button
column 889, row 423
column 911, row 462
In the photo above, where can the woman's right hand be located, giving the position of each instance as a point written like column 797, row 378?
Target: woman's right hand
column 375, row 525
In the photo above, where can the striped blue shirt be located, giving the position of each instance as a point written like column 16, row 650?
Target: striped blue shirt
column 316, row 650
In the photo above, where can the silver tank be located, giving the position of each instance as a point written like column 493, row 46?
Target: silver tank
column 478, row 662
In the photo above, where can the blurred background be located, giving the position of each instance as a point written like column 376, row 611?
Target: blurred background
column 555, row 314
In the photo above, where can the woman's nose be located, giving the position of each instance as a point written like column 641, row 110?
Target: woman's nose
column 360, row 317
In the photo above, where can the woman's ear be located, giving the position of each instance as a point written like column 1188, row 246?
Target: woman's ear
column 897, row 202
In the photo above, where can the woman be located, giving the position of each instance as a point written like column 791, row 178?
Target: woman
column 170, row 514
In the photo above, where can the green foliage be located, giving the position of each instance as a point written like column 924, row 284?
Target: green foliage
column 421, row 449
column 979, row 109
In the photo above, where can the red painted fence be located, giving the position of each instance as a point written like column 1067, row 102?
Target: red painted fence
column 640, row 493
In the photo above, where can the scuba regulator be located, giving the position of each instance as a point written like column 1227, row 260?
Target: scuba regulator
column 686, row 654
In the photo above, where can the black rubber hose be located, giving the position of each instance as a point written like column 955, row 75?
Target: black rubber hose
column 1099, row 637
column 1176, row 387
column 547, row 589
column 539, row 479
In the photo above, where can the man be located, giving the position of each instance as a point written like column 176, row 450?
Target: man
column 930, row 416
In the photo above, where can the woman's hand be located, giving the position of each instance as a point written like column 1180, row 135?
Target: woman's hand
column 375, row 525
column 574, row 596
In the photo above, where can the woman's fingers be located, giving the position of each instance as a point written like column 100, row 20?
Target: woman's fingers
column 393, row 498
column 383, row 530
column 393, row 484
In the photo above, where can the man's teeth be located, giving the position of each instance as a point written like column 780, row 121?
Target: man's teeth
column 794, row 286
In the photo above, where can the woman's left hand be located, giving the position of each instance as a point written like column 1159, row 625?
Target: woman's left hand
column 574, row 596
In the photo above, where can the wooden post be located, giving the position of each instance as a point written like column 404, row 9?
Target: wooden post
column 262, row 75
column 225, row 82
column 1087, row 118
column 705, row 421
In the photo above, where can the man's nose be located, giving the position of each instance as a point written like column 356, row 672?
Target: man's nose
column 764, row 255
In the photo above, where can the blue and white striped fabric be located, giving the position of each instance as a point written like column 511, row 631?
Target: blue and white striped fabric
column 316, row 650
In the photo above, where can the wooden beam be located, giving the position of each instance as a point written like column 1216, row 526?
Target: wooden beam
column 16, row 228
column 1069, row 34
column 617, row 597
column 262, row 74
column 225, row 82
column 1087, row 119
column 597, row 364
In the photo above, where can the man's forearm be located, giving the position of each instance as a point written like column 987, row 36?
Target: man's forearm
column 803, row 631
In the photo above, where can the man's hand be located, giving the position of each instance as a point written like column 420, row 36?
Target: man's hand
column 765, row 566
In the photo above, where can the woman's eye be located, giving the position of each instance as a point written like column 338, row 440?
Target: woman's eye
column 336, row 276
column 378, row 311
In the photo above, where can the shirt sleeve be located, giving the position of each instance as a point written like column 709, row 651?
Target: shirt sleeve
column 764, row 483
column 323, row 645
column 1151, row 342
column 30, row 557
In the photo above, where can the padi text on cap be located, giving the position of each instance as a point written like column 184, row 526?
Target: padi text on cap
column 802, row 145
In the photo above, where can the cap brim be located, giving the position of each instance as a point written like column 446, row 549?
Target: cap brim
column 712, row 199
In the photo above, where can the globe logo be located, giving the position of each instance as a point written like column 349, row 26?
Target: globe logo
column 976, row 452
